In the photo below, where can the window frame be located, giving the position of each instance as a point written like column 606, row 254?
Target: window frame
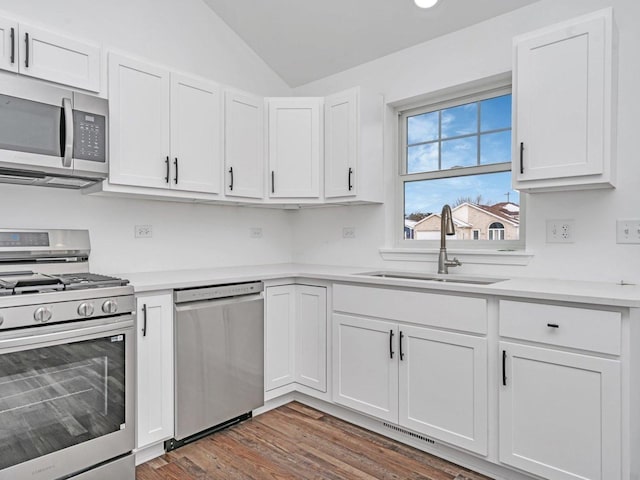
column 434, row 103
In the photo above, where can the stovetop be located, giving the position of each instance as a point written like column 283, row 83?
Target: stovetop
column 28, row 282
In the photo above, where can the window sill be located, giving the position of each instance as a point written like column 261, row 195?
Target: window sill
column 485, row 257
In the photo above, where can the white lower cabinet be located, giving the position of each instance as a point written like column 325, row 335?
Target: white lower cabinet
column 296, row 336
column 427, row 380
column 560, row 413
column 154, row 411
column 443, row 386
column 365, row 372
column 561, row 402
column 279, row 330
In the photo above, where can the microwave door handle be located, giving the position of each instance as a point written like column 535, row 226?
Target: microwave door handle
column 67, row 154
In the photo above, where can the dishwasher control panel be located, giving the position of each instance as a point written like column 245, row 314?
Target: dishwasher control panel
column 217, row 291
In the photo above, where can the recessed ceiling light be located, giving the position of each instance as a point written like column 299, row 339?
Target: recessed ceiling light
column 425, row 3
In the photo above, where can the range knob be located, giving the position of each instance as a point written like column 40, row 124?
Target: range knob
column 85, row 309
column 42, row 314
column 110, row 306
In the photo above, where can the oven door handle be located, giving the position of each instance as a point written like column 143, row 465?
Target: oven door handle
column 55, row 334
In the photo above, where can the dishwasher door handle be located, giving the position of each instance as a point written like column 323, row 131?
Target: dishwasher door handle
column 218, row 302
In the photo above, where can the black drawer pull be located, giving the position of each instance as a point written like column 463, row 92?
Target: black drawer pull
column 13, row 45
column 144, row 320
column 401, row 353
column 521, row 157
column 553, row 325
column 390, row 343
column 166, row 178
column 504, row 368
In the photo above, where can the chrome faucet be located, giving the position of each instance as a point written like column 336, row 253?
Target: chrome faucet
column 446, row 228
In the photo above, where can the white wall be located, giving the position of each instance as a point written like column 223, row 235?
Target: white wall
column 185, row 35
column 471, row 54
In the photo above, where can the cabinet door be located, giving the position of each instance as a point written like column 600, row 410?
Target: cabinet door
column 560, row 413
column 279, row 335
column 294, row 147
column 139, row 123
column 195, row 135
column 341, row 144
column 365, row 365
column 155, row 369
column 443, row 386
column 59, row 59
column 561, row 100
column 244, row 145
column 9, row 38
column 311, row 337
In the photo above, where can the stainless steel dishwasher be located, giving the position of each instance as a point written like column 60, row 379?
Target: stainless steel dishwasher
column 219, row 358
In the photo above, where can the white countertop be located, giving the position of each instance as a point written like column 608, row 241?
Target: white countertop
column 595, row 293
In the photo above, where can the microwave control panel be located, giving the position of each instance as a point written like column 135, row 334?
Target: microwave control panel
column 90, row 139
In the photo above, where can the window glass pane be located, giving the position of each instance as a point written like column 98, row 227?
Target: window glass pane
column 462, row 120
column 422, row 128
column 461, row 152
column 477, row 201
column 495, row 113
column 422, row 158
column 495, row 147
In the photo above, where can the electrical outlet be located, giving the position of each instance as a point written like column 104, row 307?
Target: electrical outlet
column 628, row 231
column 348, row 232
column 560, row 231
column 143, row 231
column 255, row 232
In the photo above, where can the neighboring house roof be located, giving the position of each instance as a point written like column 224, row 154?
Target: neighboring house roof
column 456, row 222
column 493, row 210
column 507, row 210
column 409, row 223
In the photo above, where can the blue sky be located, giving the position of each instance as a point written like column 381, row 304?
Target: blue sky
column 456, row 150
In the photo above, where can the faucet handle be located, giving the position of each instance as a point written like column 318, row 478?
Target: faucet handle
column 453, row 262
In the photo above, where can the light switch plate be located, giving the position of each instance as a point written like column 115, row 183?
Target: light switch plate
column 628, row 231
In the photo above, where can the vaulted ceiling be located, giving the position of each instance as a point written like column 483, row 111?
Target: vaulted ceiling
column 305, row 40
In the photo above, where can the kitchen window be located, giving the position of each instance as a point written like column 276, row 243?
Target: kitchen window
column 458, row 152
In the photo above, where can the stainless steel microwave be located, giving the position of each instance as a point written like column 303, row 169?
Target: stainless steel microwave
column 50, row 136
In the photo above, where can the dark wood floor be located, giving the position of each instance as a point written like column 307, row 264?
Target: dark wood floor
column 298, row 442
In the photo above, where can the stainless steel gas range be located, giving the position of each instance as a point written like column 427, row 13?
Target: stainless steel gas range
column 67, row 361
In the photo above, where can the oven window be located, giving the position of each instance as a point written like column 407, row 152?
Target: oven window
column 55, row 397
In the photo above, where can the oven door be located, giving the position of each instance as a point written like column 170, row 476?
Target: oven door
column 66, row 397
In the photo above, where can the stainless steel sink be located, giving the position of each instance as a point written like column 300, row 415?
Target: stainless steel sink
column 435, row 277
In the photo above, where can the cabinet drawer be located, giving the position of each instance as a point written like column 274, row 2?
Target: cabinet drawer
column 455, row 312
column 595, row 330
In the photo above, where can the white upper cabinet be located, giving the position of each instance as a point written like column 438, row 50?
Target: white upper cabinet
column 563, row 108
column 9, row 46
column 244, row 145
column 195, row 134
column 139, row 123
column 46, row 55
column 165, row 128
column 353, row 153
column 295, row 130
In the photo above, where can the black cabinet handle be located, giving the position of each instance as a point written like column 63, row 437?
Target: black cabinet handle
column 13, row 45
column 231, row 174
column 553, row 325
column 26, row 56
column 504, row 368
column 521, row 157
column 390, row 343
column 144, row 320
column 273, row 181
column 166, row 178
column 349, row 179
column 175, row 162
column 401, row 353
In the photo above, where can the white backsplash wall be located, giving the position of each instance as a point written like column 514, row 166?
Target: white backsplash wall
column 184, row 235
column 474, row 53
